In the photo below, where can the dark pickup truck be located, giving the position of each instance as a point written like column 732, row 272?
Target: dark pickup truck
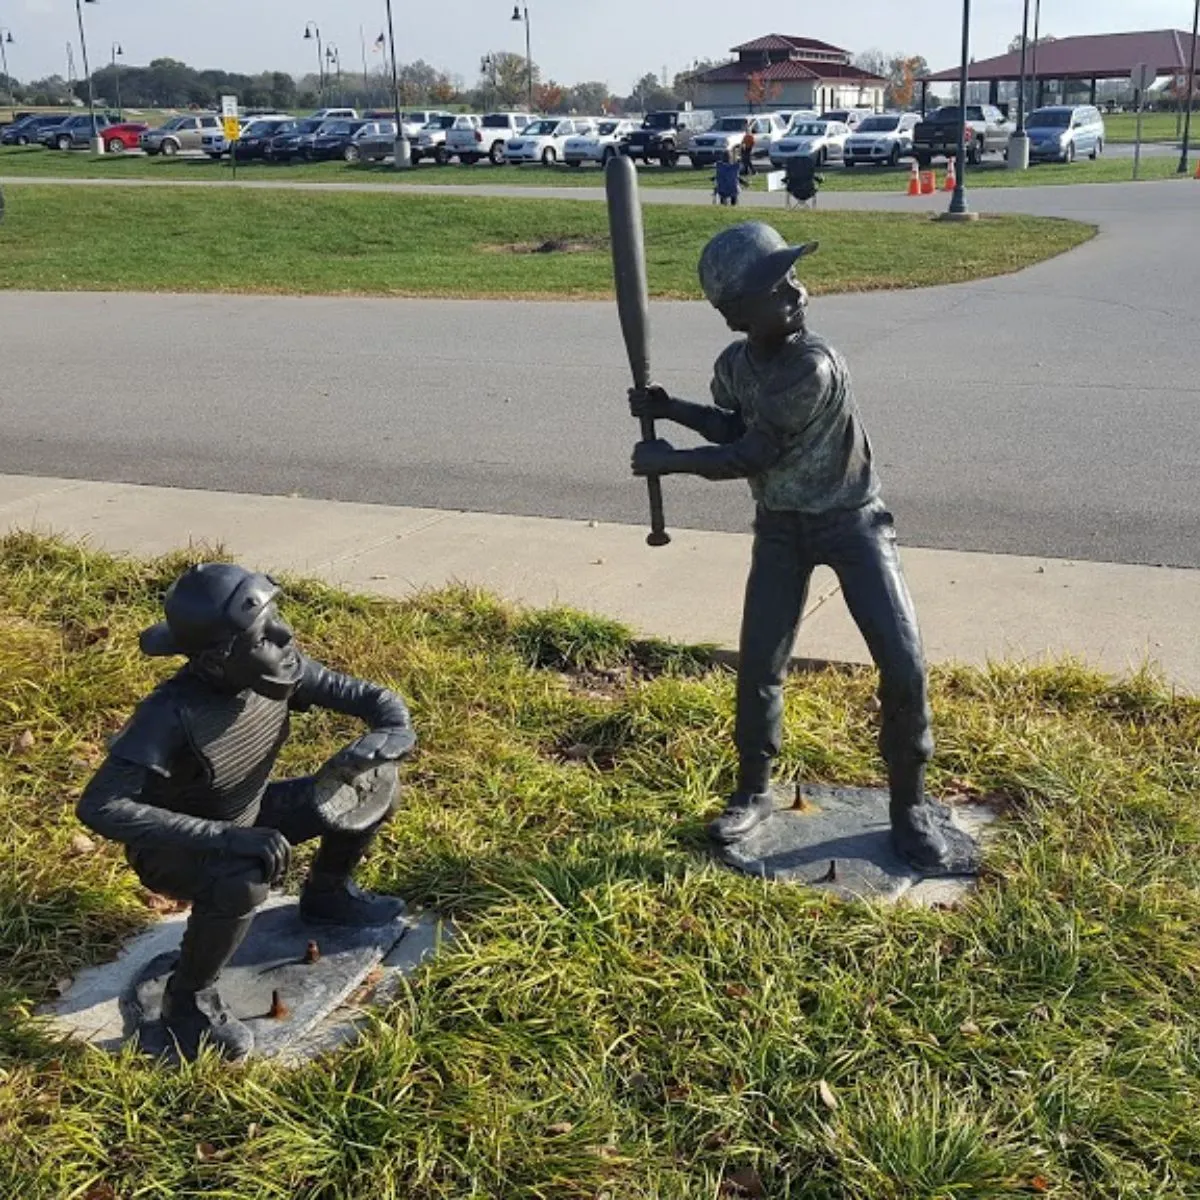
column 988, row 130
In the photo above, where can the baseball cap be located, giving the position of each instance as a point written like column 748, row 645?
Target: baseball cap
column 207, row 604
column 746, row 259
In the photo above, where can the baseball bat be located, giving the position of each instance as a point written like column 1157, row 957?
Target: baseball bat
column 633, row 304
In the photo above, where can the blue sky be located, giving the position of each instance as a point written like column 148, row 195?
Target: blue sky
column 615, row 41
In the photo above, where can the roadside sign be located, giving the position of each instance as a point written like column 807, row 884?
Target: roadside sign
column 229, row 106
column 1143, row 76
column 231, row 128
column 776, row 181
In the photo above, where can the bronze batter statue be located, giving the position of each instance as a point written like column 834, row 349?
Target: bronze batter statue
column 784, row 418
column 185, row 785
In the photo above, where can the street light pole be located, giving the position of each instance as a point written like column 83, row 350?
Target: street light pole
column 1037, row 24
column 117, row 52
column 958, row 201
column 1187, row 120
column 1018, row 144
column 6, row 37
column 97, row 144
column 517, row 16
column 333, row 55
column 310, row 29
column 402, row 153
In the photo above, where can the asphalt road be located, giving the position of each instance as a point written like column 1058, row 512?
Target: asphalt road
column 1048, row 413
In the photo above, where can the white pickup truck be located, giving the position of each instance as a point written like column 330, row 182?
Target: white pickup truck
column 488, row 139
column 431, row 141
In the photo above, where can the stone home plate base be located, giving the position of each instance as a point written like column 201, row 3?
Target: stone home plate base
column 839, row 841
column 321, row 991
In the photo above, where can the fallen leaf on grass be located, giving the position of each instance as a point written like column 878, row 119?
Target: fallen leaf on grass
column 100, row 1191
column 24, row 742
column 969, row 1029
column 745, row 1181
column 82, row 844
column 559, row 1128
column 207, row 1152
column 1039, row 1183
column 827, row 1097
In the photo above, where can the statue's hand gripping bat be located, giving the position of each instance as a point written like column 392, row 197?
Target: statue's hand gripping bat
column 633, row 306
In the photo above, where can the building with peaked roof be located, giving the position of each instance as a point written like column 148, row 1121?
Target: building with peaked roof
column 792, row 73
column 1078, row 64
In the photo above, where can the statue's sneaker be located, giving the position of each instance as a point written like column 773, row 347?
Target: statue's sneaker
column 348, row 904
column 195, row 1018
column 743, row 812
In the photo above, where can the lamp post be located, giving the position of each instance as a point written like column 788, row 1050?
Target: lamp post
column 520, row 14
column 6, row 38
column 1187, row 120
column 1018, row 144
column 333, row 55
column 487, row 68
column 1037, row 24
column 311, row 30
column 117, row 52
column 402, row 152
column 958, row 210
column 97, row 142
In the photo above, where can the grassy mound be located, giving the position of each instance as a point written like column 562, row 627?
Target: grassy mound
column 619, row 1017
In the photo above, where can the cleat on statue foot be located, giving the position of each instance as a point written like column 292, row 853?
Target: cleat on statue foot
column 193, row 1019
column 347, row 904
column 743, row 812
column 926, row 837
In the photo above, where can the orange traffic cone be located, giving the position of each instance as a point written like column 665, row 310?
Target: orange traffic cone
column 951, row 176
column 928, row 183
column 914, row 181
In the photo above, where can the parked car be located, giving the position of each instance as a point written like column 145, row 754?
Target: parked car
column 490, row 137
column 432, row 140
column 29, row 129
column 666, row 135
column 290, row 139
column 882, row 138
column 853, row 117
column 215, row 144
column 413, row 122
column 255, row 137
column 599, row 144
column 726, row 136
column 124, row 136
column 375, row 144
column 544, row 141
column 1063, row 132
column 179, row 133
column 383, row 132
column 77, row 132
column 331, row 140
column 988, row 129
column 821, row 140
column 331, row 114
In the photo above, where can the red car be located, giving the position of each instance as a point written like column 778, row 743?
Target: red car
column 119, row 138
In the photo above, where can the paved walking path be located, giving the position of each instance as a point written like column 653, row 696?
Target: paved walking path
column 973, row 607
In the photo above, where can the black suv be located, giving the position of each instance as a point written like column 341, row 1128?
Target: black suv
column 331, row 140
column 666, row 135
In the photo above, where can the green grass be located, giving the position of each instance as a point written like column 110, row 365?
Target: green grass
column 17, row 161
column 184, row 239
column 1156, row 127
column 620, row 1017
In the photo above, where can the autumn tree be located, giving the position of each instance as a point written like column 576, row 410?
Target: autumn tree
column 549, row 97
column 591, row 98
column 760, row 91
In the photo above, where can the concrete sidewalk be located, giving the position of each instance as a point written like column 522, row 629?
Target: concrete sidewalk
column 973, row 607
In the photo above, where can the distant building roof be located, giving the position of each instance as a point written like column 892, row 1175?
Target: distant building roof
column 783, row 41
column 1094, row 56
column 738, row 72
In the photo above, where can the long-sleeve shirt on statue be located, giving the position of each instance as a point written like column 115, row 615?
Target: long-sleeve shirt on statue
column 811, row 453
column 192, row 760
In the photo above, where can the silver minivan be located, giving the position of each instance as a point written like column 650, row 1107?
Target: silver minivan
column 1062, row 132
